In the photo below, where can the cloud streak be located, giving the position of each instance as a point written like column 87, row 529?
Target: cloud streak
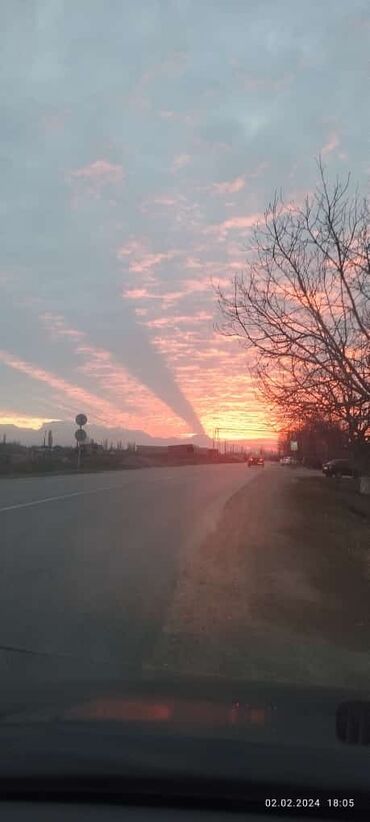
column 100, row 172
column 229, row 187
column 102, row 410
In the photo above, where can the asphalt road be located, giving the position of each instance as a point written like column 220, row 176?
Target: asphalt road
column 89, row 563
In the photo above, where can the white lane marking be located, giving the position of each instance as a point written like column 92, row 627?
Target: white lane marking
column 59, row 497
column 44, row 500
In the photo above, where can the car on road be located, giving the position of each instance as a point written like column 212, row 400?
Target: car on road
column 339, row 468
column 256, row 461
column 288, row 461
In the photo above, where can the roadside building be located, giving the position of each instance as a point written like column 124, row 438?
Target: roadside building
column 182, row 450
column 151, row 450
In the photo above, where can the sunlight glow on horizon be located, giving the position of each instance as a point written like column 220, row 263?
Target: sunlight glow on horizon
column 33, row 423
column 234, row 427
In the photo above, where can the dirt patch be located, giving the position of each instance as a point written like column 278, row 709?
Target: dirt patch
column 278, row 591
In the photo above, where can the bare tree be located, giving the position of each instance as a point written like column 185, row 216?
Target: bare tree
column 303, row 307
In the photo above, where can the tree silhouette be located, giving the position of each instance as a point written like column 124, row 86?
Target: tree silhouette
column 302, row 308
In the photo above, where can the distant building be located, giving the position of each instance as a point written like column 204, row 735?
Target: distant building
column 151, row 450
column 182, row 450
column 213, row 453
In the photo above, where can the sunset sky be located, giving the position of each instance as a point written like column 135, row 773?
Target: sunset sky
column 140, row 141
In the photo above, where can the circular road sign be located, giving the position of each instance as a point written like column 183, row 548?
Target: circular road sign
column 81, row 419
column 80, row 435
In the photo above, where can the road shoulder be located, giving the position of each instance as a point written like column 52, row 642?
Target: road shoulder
column 279, row 591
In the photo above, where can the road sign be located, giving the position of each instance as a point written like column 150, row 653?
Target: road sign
column 80, row 435
column 81, row 419
column 293, row 445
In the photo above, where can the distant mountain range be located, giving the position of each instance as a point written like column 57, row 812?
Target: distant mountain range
column 63, row 434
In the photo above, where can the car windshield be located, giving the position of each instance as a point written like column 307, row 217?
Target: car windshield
column 185, row 351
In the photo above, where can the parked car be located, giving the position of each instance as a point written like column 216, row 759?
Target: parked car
column 339, row 468
column 256, row 461
column 288, row 461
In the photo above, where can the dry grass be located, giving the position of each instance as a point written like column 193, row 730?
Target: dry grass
column 278, row 591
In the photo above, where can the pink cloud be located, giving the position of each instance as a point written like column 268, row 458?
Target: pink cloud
column 100, row 172
column 162, row 200
column 57, row 327
column 177, row 117
column 241, row 222
column 141, row 408
column 160, row 322
column 167, row 298
column 180, row 161
column 180, row 319
column 98, row 407
column 192, row 262
column 181, row 211
column 331, row 144
column 123, row 394
column 136, row 293
column 122, row 400
column 149, row 261
column 186, row 287
column 198, row 285
column 237, row 223
column 171, row 297
column 192, row 285
column 167, row 115
column 165, row 201
column 131, row 247
column 229, row 187
column 252, row 81
column 143, row 261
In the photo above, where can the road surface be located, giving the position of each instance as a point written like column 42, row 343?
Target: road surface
column 90, row 562
column 200, row 570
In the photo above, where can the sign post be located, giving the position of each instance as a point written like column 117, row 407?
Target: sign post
column 80, row 436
